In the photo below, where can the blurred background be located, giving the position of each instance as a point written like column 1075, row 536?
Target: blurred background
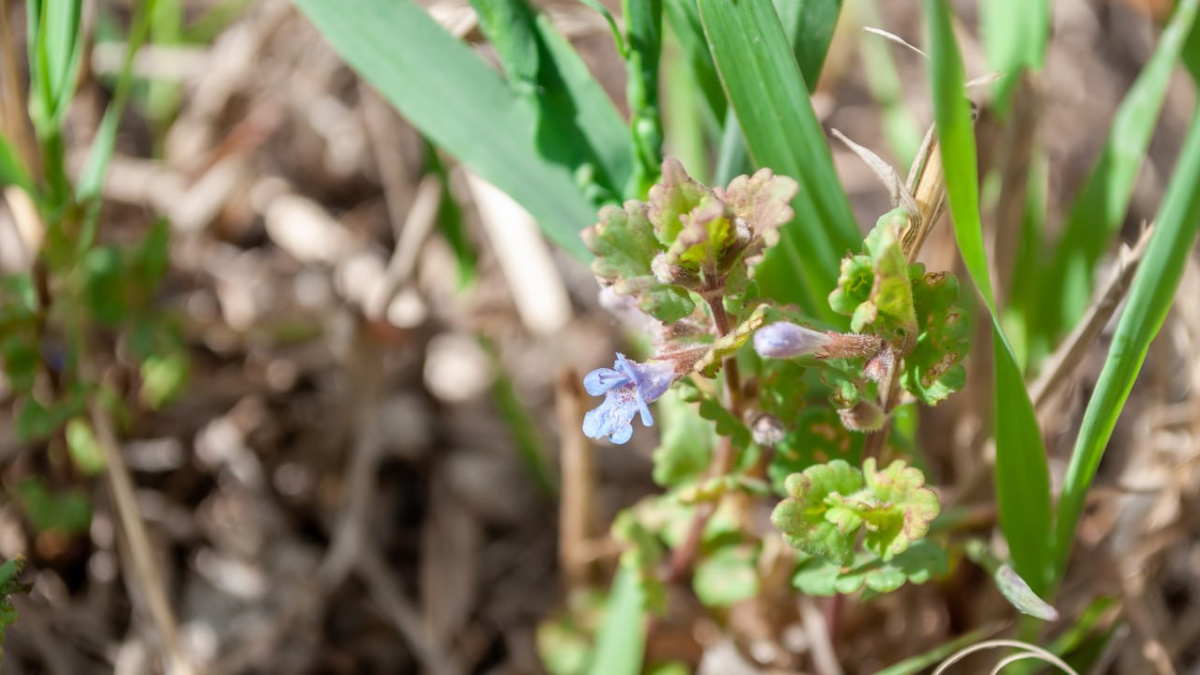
column 348, row 454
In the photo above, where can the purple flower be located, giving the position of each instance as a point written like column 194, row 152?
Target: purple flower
column 628, row 387
column 785, row 340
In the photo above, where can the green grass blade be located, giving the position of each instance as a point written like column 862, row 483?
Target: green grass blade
column 1014, row 34
column 598, row 118
column 621, row 642
column 577, row 122
column 771, row 101
column 91, row 178
column 1191, row 54
column 923, row 662
column 684, row 19
column 1099, row 210
column 13, row 171
column 1150, row 297
column 459, row 103
column 809, row 25
column 1022, row 477
column 684, row 120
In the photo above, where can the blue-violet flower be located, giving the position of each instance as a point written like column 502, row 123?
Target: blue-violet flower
column 628, row 388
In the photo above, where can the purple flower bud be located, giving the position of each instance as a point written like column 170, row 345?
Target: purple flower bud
column 785, row 340
column 628, row 388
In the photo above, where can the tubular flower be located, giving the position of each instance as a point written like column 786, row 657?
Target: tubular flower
column 785, row 340
column 628, row 388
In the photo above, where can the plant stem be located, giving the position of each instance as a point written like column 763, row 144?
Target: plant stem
column 723, row 458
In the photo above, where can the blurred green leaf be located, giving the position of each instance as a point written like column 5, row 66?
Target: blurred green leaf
column 459, row 103
column 13, row 171
column 67, row 511
column 1099, row 209
column 642, row 555
column 1015, row 33
column 10, row 584
column 621, row 642
column 770, row 98
column 687, row 443
column 1146, row 305
column 84, row 447
column 36, row 421
column 104, row 289
column 164, row 378
column 727, row 575
column 1022, row 476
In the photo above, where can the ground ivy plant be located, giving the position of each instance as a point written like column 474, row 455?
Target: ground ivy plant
column 761, row 402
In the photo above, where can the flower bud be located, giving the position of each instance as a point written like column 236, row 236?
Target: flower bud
column 865, row 416
column 785, row 340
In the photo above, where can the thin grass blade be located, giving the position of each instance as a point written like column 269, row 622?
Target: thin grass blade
column 1022, row 477
column 684, row 19
column 1014, row 34
column 1099, row 210
column 91, row 178
column 770, row 98
column 1150, row 297
column 459, row 103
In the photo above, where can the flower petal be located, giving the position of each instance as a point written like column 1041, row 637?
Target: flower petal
column 614, row 417
column 601, row 380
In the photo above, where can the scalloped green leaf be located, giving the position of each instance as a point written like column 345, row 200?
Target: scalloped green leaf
column 899, row 508
column 807, row 517
column 817, row 437
column 625, row 246
column 727, row 575
column 761, row 204
column 933, row 370
column 918, row 564
column 873, row 289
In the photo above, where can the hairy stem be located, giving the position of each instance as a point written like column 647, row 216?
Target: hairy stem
column 723, row 458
